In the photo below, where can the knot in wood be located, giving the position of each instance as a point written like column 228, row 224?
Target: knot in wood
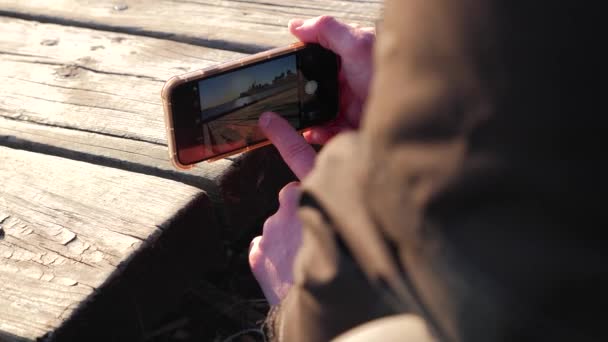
column 49, row 42
column 121, row 7
column 68, row 71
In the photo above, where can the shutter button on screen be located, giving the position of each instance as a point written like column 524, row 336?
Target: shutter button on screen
column 310, row 87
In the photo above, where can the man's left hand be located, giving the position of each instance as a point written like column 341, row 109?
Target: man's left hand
column 272, row 254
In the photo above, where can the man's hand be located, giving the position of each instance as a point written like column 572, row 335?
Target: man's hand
column 354, row 45
column 271, row 255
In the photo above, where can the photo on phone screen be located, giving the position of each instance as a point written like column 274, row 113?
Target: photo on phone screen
column 231, row 104
column 219, row 114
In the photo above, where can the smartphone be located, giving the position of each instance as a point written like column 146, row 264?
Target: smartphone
column 213, row 113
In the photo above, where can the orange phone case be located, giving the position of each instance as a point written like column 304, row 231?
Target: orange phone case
column 202, row 74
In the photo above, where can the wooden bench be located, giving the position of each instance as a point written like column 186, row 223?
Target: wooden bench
column 99, row 234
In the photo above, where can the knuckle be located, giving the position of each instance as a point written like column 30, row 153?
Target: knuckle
column 288, row 191
column 371, row 31
column 255, row 253
column 256, row 263
column 325, row 21
column 268, row 224
column 265, row 246
column 367, row 39
column 362, row 43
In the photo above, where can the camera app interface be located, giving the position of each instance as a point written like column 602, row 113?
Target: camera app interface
column 232, row 103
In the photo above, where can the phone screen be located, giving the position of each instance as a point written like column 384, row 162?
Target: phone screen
column 231, row 104
column 300, row 86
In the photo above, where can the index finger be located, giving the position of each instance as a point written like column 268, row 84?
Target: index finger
column 296, row 152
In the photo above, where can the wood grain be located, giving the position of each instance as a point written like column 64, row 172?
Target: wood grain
column 244, row 187
column 91, row 80
column 127, row 154
column 94, row 96
column 68, row 225
column 237, row 25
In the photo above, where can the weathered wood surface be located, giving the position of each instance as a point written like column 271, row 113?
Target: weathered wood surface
column 93, row 216
column 239, row 25
column 107, row 112
column 95, row 96
column 76, row 82
column 64, row 236
column 128, row 154
column 91, row 80
column 244, row 188
column 60, row 85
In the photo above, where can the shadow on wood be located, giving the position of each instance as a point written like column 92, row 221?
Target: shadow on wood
column 133, row 299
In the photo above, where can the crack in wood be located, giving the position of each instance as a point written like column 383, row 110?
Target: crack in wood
column 58, row 254
column 69, row 69
column 219, row 44
column 21, row 116
column 139, row 239
column 190, row 179
column 96, row 91
column 17, row 54
column 13, row 246
column 40, row 258
column 79, row 104
column 9, row 256
column 68, row 257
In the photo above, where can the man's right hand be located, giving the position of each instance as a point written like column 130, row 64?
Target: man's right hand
column 354, row 45
column 271, row 254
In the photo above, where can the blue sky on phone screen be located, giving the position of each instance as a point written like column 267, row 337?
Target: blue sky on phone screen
column 228, row 87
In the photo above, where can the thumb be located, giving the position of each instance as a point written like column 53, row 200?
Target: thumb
column 326, row 31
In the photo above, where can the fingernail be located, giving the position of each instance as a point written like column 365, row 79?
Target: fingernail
column 295, row 23
column 307, row 135
column 265, row 119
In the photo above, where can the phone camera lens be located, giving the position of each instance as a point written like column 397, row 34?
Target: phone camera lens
column 311, row 87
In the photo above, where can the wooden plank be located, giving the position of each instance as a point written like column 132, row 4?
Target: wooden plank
column 69, row 225
column 91, row 80
column 61, row 85
column 238, row 25
column 244, row 187
column 127, row 154
column 45, row 110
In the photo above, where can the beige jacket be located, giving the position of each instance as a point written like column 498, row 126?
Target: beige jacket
column 459, row 211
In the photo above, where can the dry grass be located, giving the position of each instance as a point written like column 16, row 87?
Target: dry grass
column 227, row 306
